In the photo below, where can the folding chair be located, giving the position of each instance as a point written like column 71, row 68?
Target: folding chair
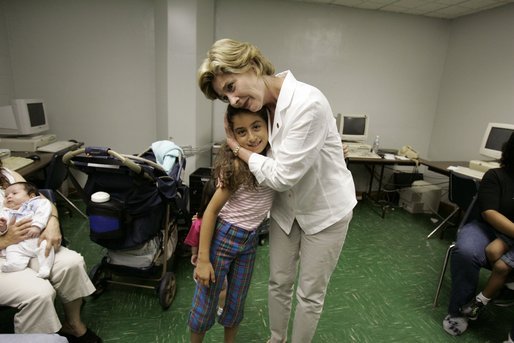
column 464, row 193
column 462, row 189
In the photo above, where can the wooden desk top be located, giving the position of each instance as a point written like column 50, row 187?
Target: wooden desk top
column 45, row 159
column 441, row 167
column 365, row 160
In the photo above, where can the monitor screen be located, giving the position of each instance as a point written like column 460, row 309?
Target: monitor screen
column 495, row 136
column 36, row 114
column 353, row 127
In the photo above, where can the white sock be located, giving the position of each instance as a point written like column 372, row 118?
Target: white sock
column 482, row 298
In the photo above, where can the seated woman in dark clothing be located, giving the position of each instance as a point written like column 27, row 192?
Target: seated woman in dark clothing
column 496, row 202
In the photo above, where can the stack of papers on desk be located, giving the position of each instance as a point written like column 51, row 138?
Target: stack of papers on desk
column 16, row 162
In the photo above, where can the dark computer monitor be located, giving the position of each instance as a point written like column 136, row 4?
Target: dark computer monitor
column 24, row 117
column 496, row 134
column 353, row 127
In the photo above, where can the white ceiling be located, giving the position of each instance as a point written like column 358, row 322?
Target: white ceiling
column 447, row 9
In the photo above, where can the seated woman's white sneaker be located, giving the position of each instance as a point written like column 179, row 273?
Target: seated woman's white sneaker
column 455, row 325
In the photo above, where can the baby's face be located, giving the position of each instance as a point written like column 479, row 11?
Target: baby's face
column 15, row 195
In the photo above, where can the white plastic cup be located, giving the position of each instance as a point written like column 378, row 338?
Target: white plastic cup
column 100, row 197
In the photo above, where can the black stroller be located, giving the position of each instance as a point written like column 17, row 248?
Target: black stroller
column 134, row 207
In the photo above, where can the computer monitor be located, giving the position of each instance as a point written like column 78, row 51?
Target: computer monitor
column 24, row 117
column 495, row 135
column 353, row 127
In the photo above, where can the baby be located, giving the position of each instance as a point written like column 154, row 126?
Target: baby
column 22, row 200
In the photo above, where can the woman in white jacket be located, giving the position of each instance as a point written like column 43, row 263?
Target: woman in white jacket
column 315, row 194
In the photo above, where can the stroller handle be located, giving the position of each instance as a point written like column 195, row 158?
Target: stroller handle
column 136, row 168
column 66, row 159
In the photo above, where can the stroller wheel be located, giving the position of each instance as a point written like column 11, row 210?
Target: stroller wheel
column 98, row 278
column 167, row 289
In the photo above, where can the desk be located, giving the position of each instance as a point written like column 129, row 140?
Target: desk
column 370, row 164
column 42, row 163
column 441, row 167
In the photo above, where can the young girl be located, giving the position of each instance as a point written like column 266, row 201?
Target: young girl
column 228, row 236
column 193, row 236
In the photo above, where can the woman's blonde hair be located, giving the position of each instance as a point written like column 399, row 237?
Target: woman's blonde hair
column 231, row 170
column 228, row 56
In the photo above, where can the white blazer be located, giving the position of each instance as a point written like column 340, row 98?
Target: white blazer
column 306, row 163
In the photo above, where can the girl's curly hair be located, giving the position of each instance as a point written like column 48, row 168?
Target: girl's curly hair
column 231, row 170
column 507, row 159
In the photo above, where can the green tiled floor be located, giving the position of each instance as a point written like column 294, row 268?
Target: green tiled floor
column 381, row 291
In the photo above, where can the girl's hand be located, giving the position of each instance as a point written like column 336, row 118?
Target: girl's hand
column 204, row 273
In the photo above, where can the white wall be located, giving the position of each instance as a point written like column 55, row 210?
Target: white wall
column 387, row 65
column 6, row 79
column 99, row 66
column 94, row 64
column 182, row 29
column 119, row 73
column 478, row 83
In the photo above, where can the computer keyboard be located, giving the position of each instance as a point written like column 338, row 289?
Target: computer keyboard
column 475, row 174
column 362, row 154
column 483, row 166
column 56, row 146
column 16, row 162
